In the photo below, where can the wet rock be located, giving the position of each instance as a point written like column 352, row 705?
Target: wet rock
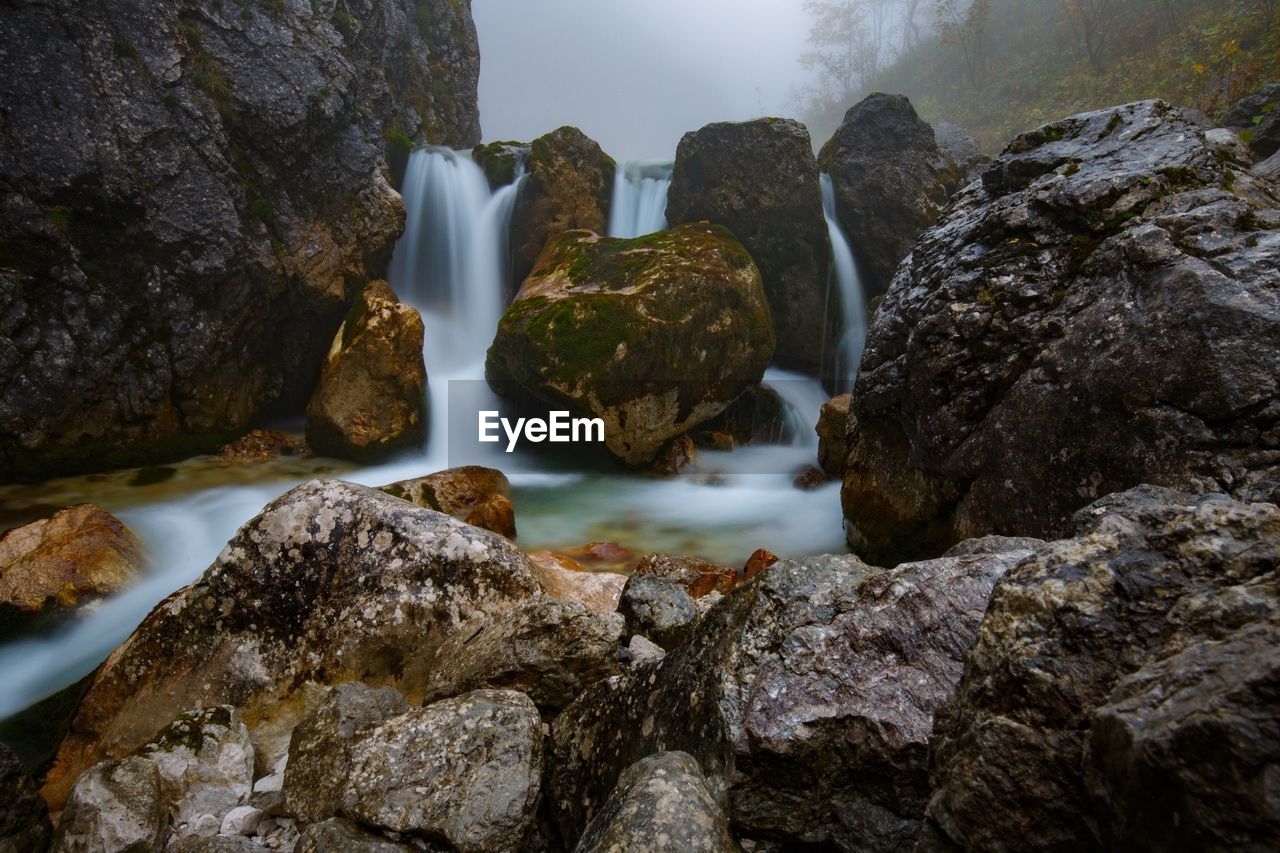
column 374, row 586
column 24, row 818
column 183, row 232
column 963, row 157
column 678, row 454
column 547, row 649
column 806, row 695
column 1121, row 690
column 661, row 802
column 338, row 835
column 759, row 179
column 477, row 495
column 53, row 566
column 833, row 426
column 1031, row 355
column 569, row 186
column 609, row 554
column 259, row 445
column 563, row 577
column 759, row 560
column 1256, row 117
column 500, row 161
column 371, row 399
column 890, row 183
column 696, row 575
column 757, row 416
column 654, row 336
column 658, row 608
column 993, row 545
column 466, row 770
column 115, row 805
column 809, row 478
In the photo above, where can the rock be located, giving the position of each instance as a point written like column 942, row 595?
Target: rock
column 659, row 609
column 1268, row 169
column 993, row 545
column 501, row 162
column 833, row 426
column 569, row 186
column 474, row 494
column 563, row 577
column 213, row 844
column 182, row 232
column 603, row 554
column 678, row 454
column 961, row 153
column 115, row 805
column 660, row 803
column 759, row 560
column 758, row 416
column 466, row 770
column 890, row 183
column 759, row 179
column 696, row 575
column 1031, row 355
column 809, row 478
column 547, row 649
column 53, row 566
column 1256, row 118
column 24, row 818
column 1121, row 690
column 642, row 651
column 806, row 695
column 655, row 335
column 259, row 445
column 715, row 439
column 375, row 585
column 241, row 820
column 338, row 835
column 319, row 765
column 371, row 400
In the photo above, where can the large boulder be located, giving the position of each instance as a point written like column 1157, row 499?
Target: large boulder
column 890, row 183
column 1099, row 311
column 569, row 186
column 371, row 400
column 1256, row 117
column 24, row 818
column 470, row 493
column 52, row 566
column 192, row 195
column 806, row 695
column 654, row 335
column 759, row 179
column 1121, row 693
column 331, row 582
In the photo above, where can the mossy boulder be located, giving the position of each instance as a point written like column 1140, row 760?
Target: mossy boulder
column 500, row 161
column 654, row 335
column 569, row 186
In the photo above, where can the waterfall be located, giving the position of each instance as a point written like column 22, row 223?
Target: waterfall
column 639, row 204
column 849, row 286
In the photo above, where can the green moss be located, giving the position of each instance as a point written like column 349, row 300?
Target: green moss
column 61, row 218
column 121, row 48
column 342, row 22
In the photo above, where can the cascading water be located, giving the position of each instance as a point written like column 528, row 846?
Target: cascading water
column 854, row 335
column 639, row 204
column 450, row 264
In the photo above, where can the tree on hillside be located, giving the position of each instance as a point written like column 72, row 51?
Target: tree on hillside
column 1095, row 20
column 963, row 26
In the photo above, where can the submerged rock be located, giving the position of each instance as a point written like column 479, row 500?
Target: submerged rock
column 569, row 186
column 1098, row 312
column 24, row 817
column 372, row 397
column 193, row 195
column 890, row 182
column 51, row 567
column 331, row 582
column 759, row 179
column 474, row 494
column 1121, row 693
column 654, row 335
column 259, row 445
column 660, row 803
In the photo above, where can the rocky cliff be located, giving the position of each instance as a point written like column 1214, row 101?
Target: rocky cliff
column 191, row 193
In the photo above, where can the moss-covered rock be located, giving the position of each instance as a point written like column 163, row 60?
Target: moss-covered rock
column 654, row 335
column 500, row 161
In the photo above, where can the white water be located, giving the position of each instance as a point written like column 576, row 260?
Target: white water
column 451, row 266
column 849, row 286
column 639, row 204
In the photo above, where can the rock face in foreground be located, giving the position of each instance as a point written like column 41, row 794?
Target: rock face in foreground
column 371, row 400
column 24, row 818
column 1100, row 311
column 51, row 566
column 375, row 586
column 890, row 182
column 1122, row 691
column 654, row 335
column 806, row 695
column 759, row 179
column 192, row 194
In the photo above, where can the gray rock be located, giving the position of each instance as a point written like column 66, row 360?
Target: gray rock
column 806, row 695
column 658, row 608
column 192, row 194
column 1257, row 116
column 661, row 803
column 212, row 844
column 24, row 818
column 1268, row 169
column 993, row 545
column 115, row 806
column 1121, row 690
column 961, row 153
column 759, row 179
column 331, row 582
column 547, row 649
column 643, row 651
column 338, row 835
column 1032, row 354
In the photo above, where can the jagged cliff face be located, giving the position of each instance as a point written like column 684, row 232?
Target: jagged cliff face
column 189, row 194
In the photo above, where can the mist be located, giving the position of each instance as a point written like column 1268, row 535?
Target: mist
column 635, row 76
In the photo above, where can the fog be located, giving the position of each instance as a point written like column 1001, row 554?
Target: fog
column 635, row 76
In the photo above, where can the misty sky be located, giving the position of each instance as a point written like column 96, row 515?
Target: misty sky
column 635, row 74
